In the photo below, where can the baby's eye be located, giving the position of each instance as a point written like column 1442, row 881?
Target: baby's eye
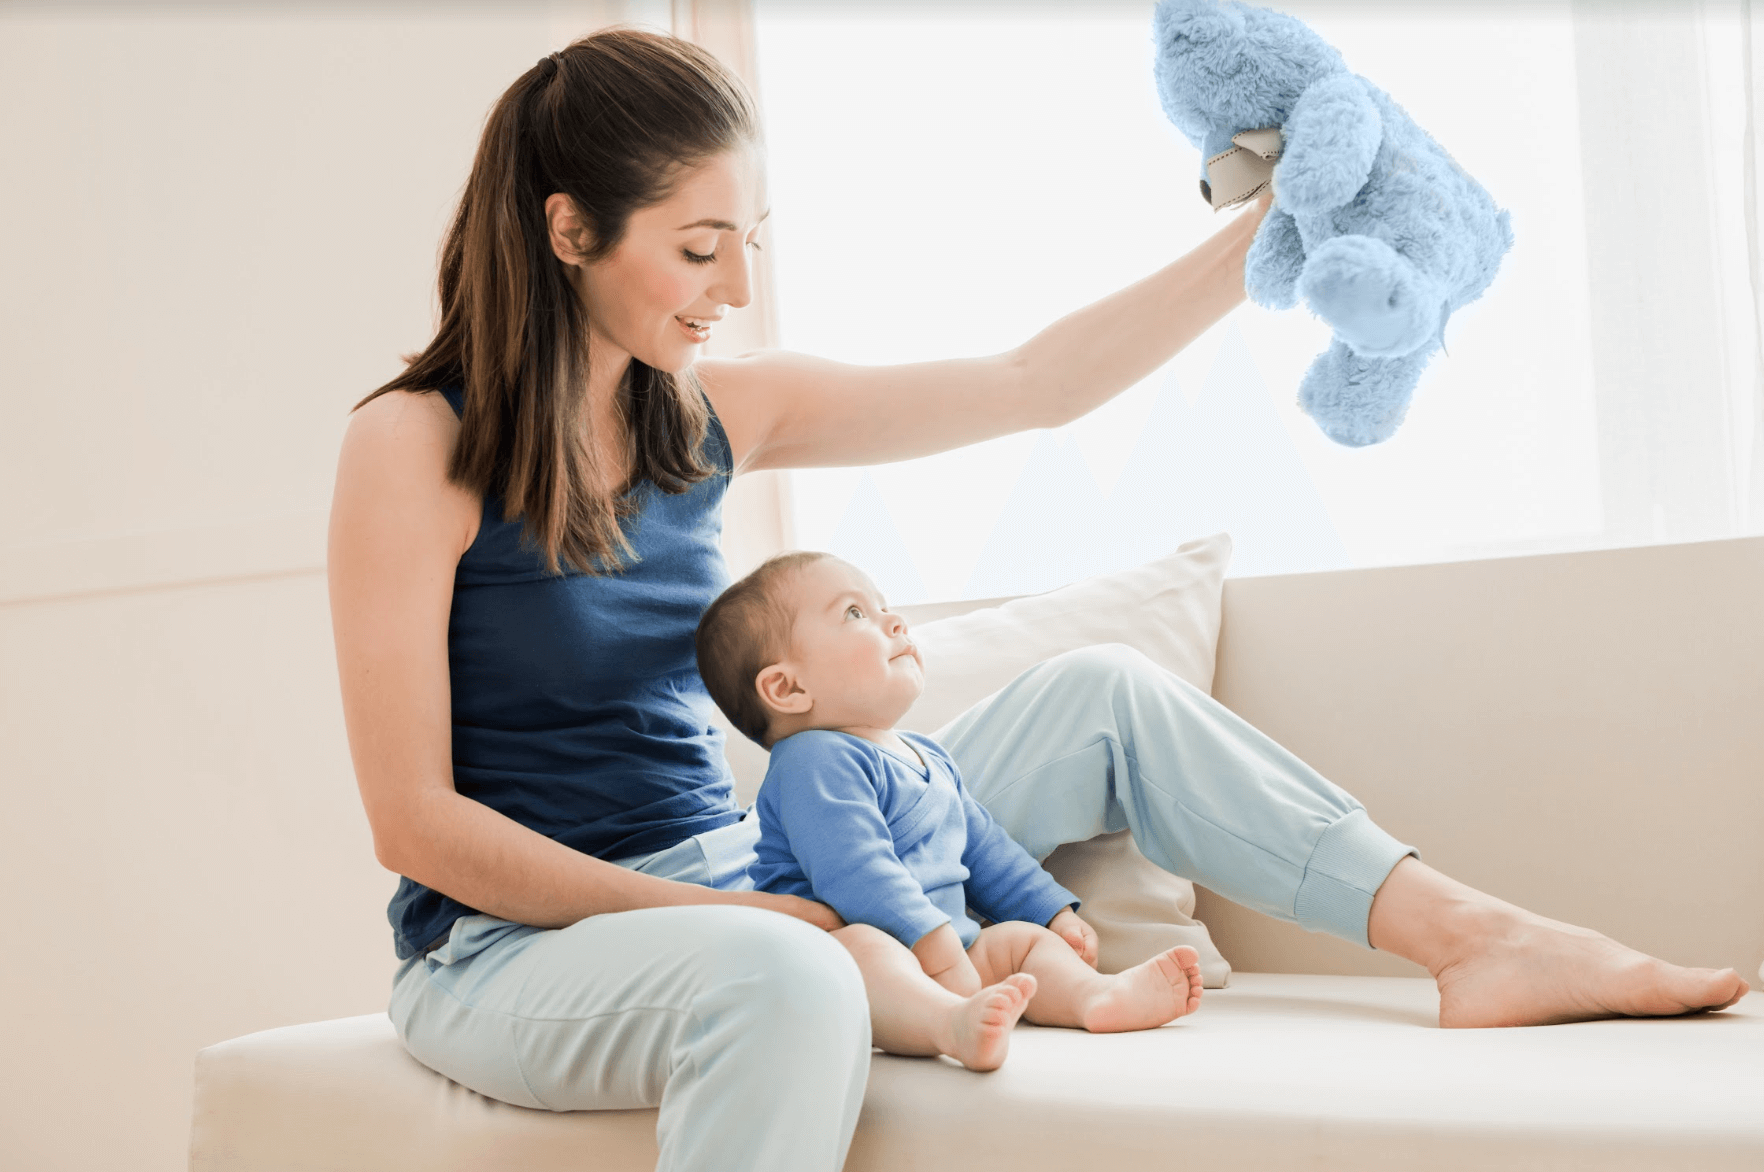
column 853, row 610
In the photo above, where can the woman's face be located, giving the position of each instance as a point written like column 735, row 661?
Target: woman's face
column 683, row 264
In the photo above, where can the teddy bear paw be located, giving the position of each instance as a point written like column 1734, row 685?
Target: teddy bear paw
column 1357, row 400
column 1372, row 296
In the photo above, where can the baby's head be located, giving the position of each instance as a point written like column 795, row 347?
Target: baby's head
column 805, row 641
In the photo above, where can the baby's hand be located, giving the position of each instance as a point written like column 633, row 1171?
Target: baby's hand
column 1067, row 925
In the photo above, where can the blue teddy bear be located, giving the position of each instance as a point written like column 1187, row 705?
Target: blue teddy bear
column 1372, row 222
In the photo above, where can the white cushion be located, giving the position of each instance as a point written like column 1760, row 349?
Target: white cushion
column 1279, row 1071
column 1168, row 609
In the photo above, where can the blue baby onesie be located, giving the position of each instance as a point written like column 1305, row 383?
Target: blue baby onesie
column 884, row 842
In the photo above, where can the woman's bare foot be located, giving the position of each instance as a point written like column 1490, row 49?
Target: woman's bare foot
column 1147, row 995
column 980, row 1027
column 1500, row 965
column 1527, row 970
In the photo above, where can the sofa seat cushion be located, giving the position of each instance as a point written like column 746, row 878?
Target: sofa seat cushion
column 1276, row 1071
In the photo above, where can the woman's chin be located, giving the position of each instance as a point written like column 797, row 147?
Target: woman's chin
column 675, row 364
column 672, row 357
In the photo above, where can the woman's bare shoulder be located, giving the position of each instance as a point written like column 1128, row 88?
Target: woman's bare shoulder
column 419, row 420
column 394, row 464
column 739, row 392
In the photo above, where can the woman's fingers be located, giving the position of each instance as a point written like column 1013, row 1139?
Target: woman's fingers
column 806, row 910
column 818, row 914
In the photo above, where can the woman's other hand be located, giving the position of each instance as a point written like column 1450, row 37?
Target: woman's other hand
column 806, row 910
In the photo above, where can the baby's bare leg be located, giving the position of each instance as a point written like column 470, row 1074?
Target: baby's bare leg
column 1071, row 993
column 912, row 1014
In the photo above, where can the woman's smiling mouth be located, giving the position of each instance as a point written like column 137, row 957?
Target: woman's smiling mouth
column 696, row 328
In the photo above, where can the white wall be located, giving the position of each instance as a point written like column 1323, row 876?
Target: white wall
column 217, row 232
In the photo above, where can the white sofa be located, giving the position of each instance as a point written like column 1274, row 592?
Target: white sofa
column 1581, row 733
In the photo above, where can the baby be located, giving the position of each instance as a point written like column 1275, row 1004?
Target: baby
column 804, row 658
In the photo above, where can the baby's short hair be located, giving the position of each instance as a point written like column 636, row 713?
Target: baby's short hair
column 746, row 628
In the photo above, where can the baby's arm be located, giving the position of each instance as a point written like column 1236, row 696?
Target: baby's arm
column 826, row 804
column 1004, row 880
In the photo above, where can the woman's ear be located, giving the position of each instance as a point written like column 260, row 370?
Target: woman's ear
column 780, row 691
column 571, row 239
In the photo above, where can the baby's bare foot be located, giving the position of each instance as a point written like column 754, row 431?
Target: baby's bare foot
column 1147, row 995
column 1527, row 970
column 981, row 1030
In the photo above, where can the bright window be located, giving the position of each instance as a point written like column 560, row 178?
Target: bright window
column 948, row 181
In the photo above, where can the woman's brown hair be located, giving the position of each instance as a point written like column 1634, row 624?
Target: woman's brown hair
column 613, row 122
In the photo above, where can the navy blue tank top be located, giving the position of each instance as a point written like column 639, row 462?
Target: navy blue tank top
column 578, row 709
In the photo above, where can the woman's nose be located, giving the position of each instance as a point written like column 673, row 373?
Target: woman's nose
column 736, row 288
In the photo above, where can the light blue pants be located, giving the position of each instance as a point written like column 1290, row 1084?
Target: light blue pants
column 750, row 1029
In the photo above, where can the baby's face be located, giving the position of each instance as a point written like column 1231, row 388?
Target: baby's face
column 850, row 654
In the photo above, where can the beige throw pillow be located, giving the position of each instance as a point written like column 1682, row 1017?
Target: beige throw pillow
column 1168, row 609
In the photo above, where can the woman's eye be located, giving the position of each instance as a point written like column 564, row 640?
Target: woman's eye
column 704, row 258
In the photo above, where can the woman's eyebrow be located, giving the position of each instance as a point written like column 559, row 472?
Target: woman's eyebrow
column 721, row 225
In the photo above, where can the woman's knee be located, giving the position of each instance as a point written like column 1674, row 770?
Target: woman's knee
column 786, row 971
column 1100, row 667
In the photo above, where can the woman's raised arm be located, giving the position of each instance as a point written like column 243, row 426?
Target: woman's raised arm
column 784, row 410
column 398, row 528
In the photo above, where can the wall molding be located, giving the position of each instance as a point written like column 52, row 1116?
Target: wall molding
column 273, row 546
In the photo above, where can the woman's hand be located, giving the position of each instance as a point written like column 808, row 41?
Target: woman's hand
column 806, row 910
column 1067, row 925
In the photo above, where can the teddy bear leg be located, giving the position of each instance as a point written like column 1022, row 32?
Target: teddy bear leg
column 1374, row 298
column 1276, row 258
column 1358, row 400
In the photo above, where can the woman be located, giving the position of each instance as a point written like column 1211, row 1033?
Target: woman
column 523, row 536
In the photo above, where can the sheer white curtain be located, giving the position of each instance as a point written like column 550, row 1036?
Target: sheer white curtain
column 1748, row 211
column 948, row 179
column 1668, row 154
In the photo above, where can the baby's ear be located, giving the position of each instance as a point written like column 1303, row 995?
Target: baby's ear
column 779, row 690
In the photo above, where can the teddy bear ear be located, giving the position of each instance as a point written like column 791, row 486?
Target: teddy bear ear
column 1195, row 22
